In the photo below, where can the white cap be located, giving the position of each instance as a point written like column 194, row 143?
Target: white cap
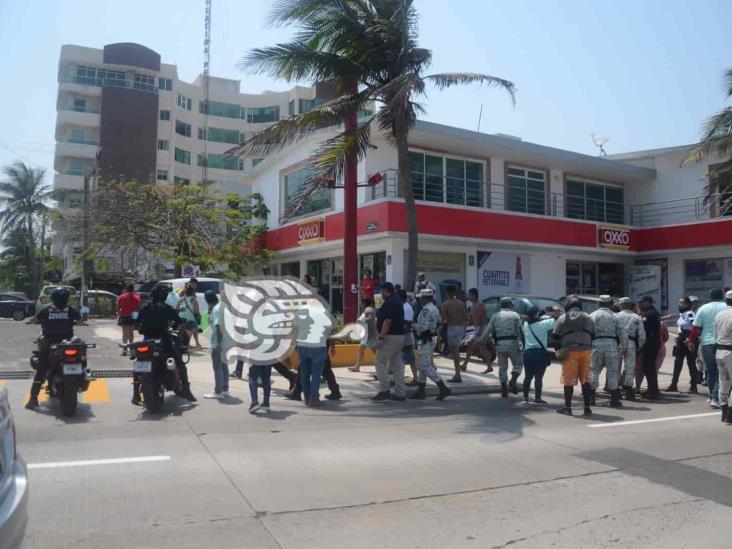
column 427, row 292
column 728, row 295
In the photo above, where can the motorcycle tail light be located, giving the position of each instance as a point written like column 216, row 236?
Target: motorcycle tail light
column 71, row 352
column 143, row 349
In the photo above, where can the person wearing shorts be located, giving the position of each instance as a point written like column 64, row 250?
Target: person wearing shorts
column 455, row 317
column 575, row 329
column 128, row 304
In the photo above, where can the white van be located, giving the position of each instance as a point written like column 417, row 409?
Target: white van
column 204, row 284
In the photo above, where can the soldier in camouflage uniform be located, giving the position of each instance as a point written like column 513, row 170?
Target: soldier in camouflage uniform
column 632, row 325
column 506, row 330
column 607, row 345
column 425, row 329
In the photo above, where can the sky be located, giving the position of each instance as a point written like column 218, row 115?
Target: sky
column 642, row 73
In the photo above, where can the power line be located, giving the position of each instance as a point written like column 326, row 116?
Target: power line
column 23, row 158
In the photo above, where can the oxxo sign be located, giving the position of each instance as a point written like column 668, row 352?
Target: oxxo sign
column 613, row 237
column 310, row 231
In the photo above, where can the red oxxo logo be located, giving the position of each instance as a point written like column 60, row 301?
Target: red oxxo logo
column 310, row 230
column 613, row 237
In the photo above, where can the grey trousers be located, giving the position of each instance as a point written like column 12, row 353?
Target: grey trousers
column 389, row 360
column 517, row 361
column 724, row 363
column 605, row 358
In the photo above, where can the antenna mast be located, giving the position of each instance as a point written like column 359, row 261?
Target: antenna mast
column 206, row 87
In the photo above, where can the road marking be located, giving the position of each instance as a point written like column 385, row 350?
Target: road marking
column 97, row 392
column 654, row 420
column 88, row 462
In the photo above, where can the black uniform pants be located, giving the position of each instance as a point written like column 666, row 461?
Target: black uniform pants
column 649, row 354
column 681, row 353
column 44, row 362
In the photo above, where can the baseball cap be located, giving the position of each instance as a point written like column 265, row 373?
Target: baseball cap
column 427, row 292
column 388, row 286
column 693, row 298
column 606, row 298
column 728, row 295
column 420, row 275
column 506, row 299
column 624, row 301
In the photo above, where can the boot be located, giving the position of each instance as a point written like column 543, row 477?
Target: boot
column 445, row 391
column 729, row 415
column 615, row 399
column 587, row 395
column 136, row 400
column 673, row 388
column 692, row 389
column 504, row 390
column 419, row 393
column 593, row 402
column 512, row 384
column 32, row 403
column 335, row 395
column 292, row 395
column 629, row 393
column 186, row 393
column 567, row 408
column 725, row 412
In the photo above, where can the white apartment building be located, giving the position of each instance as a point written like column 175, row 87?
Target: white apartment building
column 123, row 113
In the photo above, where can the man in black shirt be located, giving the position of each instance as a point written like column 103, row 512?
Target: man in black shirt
column 57, row 323
column 649, row 351
column 390, row 329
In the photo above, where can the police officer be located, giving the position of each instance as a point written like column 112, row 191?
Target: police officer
column 57, row 323
column 609, row 343
column 632, row 325
column 155, row 319
column 681, row 350
column 723, row 325
column 425, row 330
column 507, row 333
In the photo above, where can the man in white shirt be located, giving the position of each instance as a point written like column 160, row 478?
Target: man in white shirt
column 408, row 349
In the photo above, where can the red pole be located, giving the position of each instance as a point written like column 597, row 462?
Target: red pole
column 350, row 229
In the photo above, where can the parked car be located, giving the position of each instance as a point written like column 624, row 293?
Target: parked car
column 521, row 303
column 13, row 481
column 589, row 303
column 44, row 299
column 102, row 302
column 16, row 307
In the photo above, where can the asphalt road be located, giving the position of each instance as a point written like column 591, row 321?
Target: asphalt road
column 474, row 471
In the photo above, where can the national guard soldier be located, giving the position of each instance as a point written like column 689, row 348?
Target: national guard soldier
column 607, row 345
column 632, row 325
column 505, row 327
column 425, row 330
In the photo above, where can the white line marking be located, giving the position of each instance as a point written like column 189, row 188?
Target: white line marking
column 114, row 461
column 654, row 420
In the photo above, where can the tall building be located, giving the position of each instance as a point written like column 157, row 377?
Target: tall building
column 121, row 112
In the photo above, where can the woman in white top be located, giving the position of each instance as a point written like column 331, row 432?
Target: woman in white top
column 188, row 310
column 368, row 320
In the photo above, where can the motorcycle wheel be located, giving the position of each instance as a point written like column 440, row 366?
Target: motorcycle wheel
column 153, row 400
column 70, row 397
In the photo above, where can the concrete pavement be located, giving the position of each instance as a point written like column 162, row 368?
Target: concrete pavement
column 473, row 471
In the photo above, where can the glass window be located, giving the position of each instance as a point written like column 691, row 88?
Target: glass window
column 433, row 178
column 220, row 135
column 221, row 162
column 163, row 145
column 594, row 202
column 455, row 182
column 308, row 104
column 162, row 175
column 225, row 110
column 526, row 191
column 295, row 185
column 257, row 161
column 184, row 102
column 144, row 82
column 474, row 184
column 182, row 156
column 80, row 105
column 181, row 180
column 291, row 108
column 444, row 179
column 416, row 168
column 165, row 84
column 76, row 167
column 181, row 128
column 164, row 115
column 262, row 114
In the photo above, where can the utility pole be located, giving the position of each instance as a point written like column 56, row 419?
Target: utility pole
column 350, row 228
column 85, row 237
column 206, row 88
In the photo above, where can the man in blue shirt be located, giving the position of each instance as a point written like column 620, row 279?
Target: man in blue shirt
column 221, row 372
column 390, row 340
column 704, row 321
column 536, row 355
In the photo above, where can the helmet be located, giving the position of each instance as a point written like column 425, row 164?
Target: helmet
column 427, row 292
column 60, row 297
column 159, row 293
column 573, row 302
column 532, row 312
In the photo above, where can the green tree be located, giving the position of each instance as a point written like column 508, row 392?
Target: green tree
column 716, row 142
column 242, row 247
column 24, row 198
column 368, row 49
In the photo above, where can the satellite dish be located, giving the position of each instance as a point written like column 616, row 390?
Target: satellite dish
column 599, row 143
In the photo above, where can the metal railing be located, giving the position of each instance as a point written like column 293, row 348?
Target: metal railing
column 110, row 83
column 681, row 210
column 80, row 109
column 80, row 141
column 79, row 173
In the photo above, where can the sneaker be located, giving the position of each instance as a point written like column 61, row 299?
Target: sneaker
column 587, row 411
column 293, row 396
column 334, row 396
column 253, row 407
column 705, row 383
column 225, row 394
column 715, row 404
column 384, row 395
column 525, row 400
column 455, row 379
column 564, row 411
column 235, row 375
column 317, row 403
column 265, row 406
column 540, row 401
column 217, row 396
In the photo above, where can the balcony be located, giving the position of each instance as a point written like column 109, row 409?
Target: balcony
column 77, row 148
column 78, row 117
column 68, row 180
column 92, row 86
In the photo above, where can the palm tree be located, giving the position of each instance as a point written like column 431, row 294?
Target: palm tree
column 716, row 142
column 24, row 196
column 368, row 48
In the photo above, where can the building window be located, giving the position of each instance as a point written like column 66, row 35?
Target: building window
column 216, row 108
column 295, row 185
column 182, row 156
column 594, row 202
column 291, row 108
column 256, row 115
column 526, row 191
column 163, row 145
column 165, row 84
column 181, row 180
column 222, row 162
column 308, row 104
column 184, row 102
column 257, row 161
column 181, row 128
column 162, row 175
column 76, row 167
column 164, row 115
column 594, row 279
column 80, row 105
column 112, row 78
column 446, row 179
column 219, row 135
column 144, row 82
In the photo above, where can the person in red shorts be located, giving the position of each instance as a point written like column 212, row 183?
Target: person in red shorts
column 128, row 304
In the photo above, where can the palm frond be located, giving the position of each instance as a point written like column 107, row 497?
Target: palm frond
column 728, row 82
column 449, row 79
column 716, row 140
column 295, row 61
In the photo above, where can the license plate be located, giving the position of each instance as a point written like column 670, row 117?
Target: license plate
column 142, row 366
column 72, row 369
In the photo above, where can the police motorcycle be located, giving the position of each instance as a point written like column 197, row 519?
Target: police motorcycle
column 68, row 374
column 155, row 369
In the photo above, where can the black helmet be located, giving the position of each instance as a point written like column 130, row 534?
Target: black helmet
column 60, row 297
column 573, row 302
column 532, row 312
column 159, row 293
